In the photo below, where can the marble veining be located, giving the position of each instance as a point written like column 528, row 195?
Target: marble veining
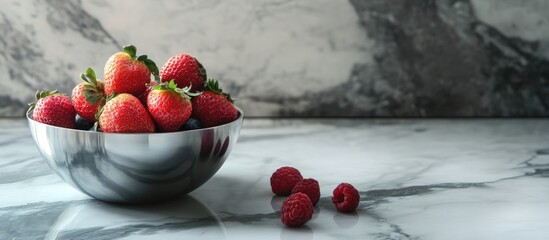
column 299, row 58
column 418, row 179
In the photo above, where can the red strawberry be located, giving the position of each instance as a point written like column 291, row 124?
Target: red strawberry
column 88, row 96
column 124, row 113
column 170, row 107
column 127, row 73
column 54, row 109
column 185, row 70
column 143, row 96
column 213, row 107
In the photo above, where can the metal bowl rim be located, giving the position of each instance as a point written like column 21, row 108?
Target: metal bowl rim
column 240, row 117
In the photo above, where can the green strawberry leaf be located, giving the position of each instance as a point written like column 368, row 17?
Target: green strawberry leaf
column 158, row 87
column 90, row 87
column 37, row 95
column 44, row 94
column 130, row 50
column 83, row 77
column 212, row 85
column 90, row 91
column 89, row 77
column 92, row 96
column 31, row 107
column 172, row 85
column 91, row 80
column 153, row 68
column 186, row 92
column 91, row 73
column 98, row 114
column 201, row 69
column 113, row 95
column 100, row 108
column 92, row 99
column 228, row 96
column 142, row 58
column 161, row 86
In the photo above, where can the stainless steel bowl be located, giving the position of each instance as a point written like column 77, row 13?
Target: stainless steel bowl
column 135, row 168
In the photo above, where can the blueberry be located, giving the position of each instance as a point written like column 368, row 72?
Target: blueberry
column 82, row 124
column 191, row 124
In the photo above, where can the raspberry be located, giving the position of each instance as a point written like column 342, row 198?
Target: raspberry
column 310, row 187
column 346, row 197
column 296, row 210
column 284, row 179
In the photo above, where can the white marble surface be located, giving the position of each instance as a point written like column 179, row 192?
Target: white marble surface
column 418, row 179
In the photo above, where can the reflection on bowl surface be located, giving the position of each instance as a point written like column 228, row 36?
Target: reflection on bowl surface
column 135, row 168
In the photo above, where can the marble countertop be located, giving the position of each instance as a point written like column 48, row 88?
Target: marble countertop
column 418, row 179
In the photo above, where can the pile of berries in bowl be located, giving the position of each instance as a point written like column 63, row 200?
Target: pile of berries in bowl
column 130, row 139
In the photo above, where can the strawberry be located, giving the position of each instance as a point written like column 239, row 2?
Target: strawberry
column 143, row 96
column 169, row 106
column 185, row 70
column 88, row 96
column 54, row 109
column 124, row 113
column 127, row 73
column 213, row 107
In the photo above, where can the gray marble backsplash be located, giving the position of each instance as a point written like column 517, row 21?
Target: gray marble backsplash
column 299, row 58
